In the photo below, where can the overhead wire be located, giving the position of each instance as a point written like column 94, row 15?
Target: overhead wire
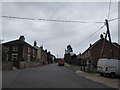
column 63, row 34
column 113, row 19
column 55, row 20
column 89, row 36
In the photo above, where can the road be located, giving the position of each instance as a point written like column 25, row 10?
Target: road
column 47, row 76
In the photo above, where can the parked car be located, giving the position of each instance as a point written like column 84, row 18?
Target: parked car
column 61, row 62
column 108, row 67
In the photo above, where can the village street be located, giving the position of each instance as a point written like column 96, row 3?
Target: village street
column 48, row 76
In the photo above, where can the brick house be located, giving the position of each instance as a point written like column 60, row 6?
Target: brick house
column 19, row 50
column 38, row 51
column 50, row 57
column 93, row 53
column 42, row 55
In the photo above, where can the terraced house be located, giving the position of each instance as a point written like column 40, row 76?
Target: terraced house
column 19, row 50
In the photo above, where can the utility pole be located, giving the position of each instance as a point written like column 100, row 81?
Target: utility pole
column 108, row 31
column 109, row 36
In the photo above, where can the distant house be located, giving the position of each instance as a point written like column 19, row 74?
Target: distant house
column 50, row 57
column 42, row 55
column 19, row 50
column 93, row 53
column 38, row 51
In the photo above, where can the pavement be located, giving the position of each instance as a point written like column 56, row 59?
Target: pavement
column 114, row 83
column 100, row 79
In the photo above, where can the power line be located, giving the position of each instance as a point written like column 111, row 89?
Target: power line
column 63, row 34
column 89, row 36
column 109, row 9
column 54, row 20
column 113, row 19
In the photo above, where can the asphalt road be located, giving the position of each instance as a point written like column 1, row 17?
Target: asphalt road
column 47, row 76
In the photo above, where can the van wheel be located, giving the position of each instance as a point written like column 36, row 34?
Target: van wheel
column 112, row 75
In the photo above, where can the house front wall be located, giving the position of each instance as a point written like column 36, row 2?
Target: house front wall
column 96, row 51
column 30, row 53
column 10, row 51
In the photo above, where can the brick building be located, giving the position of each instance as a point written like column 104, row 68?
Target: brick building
column 19, row 50
column 93, row 53
column 38, row 51
column 42, row 55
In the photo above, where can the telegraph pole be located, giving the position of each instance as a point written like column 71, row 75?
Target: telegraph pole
column 109, row 36
column 108, row 31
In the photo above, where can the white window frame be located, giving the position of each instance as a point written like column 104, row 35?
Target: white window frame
column 29, row 57
column 33, row 51
column 28, row 49
column 15, row 48
column 14, row 56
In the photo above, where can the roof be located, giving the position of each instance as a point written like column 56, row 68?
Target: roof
column 17, row 42
column 92, row 46
column 115, row 44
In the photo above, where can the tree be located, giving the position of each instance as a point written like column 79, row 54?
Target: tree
column 68, row 54
column 69, row 49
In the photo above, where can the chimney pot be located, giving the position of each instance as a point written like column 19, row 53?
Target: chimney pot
column 22, row 38
column 35, row 43
column 101, row 36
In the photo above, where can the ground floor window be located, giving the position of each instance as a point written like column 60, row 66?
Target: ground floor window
column 14, row 57
column 29, row 57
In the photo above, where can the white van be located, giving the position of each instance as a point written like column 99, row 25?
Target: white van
column 109, row 67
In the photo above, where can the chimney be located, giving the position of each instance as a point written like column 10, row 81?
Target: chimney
column 45, row 50
column 22, row 38
column 41, row 47
column 49, row 52
column 101, row 36
column 90, row 44
column 35, row 43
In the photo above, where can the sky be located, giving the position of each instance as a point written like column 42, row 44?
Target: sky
column 53, row 35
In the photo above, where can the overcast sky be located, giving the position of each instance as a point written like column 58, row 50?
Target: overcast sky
column 57, row 35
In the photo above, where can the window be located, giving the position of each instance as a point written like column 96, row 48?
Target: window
column 29, row 57
column 33, row 51
column 15, row 48
column 14, row 56
column 29, row 49
column 7, row 48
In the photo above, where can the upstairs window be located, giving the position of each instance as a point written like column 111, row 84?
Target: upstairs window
column 15, row 48
column 7, row 48
column 33, row 51
column 28, row 49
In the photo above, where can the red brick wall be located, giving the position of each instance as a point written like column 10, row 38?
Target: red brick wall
column 96, row 51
